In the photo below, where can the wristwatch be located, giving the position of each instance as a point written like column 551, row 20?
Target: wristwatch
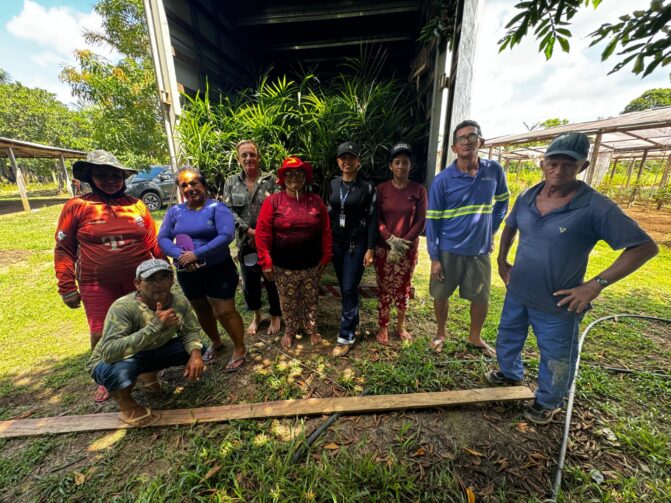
column 602, row 281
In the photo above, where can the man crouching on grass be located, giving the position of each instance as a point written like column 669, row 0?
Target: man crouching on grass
column 146, row 331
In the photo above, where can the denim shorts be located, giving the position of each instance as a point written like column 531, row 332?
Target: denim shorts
column 218, row 281
column 122, row 374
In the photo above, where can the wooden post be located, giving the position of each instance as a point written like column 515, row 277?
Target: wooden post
column 665, row 174
column 612, row 172
column 19, row 179
column 489, row 154
column 499, row 156
column 640, row 168
column 66, row 177
column 630, row 170
column 506, row 166
column 592, row 161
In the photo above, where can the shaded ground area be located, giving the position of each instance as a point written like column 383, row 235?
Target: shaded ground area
column 620, row 439
column 8, row 206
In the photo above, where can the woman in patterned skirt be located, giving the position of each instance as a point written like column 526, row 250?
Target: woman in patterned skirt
column 294, row 244
column 401, row 214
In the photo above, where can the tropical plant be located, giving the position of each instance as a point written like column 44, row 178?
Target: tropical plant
column 305, row 118
column 652, row 98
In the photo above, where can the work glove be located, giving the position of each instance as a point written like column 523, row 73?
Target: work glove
column 394, row 257
column 399, row 245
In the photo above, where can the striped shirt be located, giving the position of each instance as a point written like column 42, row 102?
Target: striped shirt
column 464, row 211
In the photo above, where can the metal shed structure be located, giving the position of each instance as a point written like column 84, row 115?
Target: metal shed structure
column 632, row 137
column 12, row 149
column 222, row 43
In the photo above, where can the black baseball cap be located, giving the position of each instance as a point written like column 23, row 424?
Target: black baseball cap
column 348, row 148
column 573, row 145
column 400, row 148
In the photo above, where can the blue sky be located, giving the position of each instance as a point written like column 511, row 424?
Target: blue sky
column 38, row 38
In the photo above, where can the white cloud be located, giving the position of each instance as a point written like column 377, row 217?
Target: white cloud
column 519, row 86
column 57, row 29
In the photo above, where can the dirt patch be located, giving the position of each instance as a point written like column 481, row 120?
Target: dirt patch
column 657, row 223
column 12, row 257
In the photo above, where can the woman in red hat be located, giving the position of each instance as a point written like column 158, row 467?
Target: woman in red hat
column 294, row 243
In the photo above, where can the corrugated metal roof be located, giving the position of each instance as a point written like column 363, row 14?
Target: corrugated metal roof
column 37, row 151
column 622, row 136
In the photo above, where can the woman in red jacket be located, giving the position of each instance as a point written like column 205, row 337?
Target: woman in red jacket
column 101, row 238
column 294, row 243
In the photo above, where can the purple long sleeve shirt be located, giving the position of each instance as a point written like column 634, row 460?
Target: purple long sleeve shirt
column 211, row 228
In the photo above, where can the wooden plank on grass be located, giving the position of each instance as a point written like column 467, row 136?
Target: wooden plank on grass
column 284, row 408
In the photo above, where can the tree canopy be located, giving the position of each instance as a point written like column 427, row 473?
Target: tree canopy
column 120, row 97
column 641, row 38
column 652, row 98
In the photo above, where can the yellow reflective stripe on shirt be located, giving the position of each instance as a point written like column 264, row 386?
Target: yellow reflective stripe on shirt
column 459, row 212
column 502, row 197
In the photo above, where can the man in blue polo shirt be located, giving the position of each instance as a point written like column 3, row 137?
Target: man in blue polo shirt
column 467, row 203
column 559, row 222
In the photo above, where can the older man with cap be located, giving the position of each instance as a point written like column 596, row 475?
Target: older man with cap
column 101, row 238
column 560, row 220
column 146, row 331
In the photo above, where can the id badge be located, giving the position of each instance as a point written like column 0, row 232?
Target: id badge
column 342, row 220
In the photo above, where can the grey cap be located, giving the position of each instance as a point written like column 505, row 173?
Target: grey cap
column 400, row 148
column 348, row 148
column 573, row 145
column 151, row 266
column 82, row 169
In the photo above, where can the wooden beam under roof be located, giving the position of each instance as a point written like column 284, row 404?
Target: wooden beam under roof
column 328, row 12
column 340, row 42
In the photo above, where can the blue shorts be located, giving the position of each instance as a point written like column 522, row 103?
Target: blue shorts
column 122, row 374
column 218, row 281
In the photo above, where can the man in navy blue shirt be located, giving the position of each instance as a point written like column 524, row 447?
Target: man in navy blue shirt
column 559, row 222
column 467, row 203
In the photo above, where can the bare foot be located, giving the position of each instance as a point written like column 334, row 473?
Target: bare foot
column 274, row 327
column 437, row 344
column 287, row 341
column 315, row 339
column 404, row 334
column 254, row 325
column 482, row 346
column 138, row 417
column 382, row 335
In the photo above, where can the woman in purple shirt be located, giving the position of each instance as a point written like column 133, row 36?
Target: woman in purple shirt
column 205, row 269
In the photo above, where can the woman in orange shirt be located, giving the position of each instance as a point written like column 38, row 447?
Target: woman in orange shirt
column 100, row 240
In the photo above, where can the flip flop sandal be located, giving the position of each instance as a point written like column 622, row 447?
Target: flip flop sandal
column 101, row 395
column 437, row 345
column 211, row 353
column 233, row 366
column 134, row 421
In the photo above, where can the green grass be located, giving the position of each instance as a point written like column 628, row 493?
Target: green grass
column 393, row 457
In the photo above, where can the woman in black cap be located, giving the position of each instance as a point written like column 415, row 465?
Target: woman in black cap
column 101, row 238
column 401, row 215
column 352, row 213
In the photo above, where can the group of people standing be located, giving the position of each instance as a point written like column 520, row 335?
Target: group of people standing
column 109, row 256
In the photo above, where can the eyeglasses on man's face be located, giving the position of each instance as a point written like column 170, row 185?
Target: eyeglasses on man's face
column 467, row 138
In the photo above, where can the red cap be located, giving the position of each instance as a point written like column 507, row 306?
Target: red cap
column 294, row 163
